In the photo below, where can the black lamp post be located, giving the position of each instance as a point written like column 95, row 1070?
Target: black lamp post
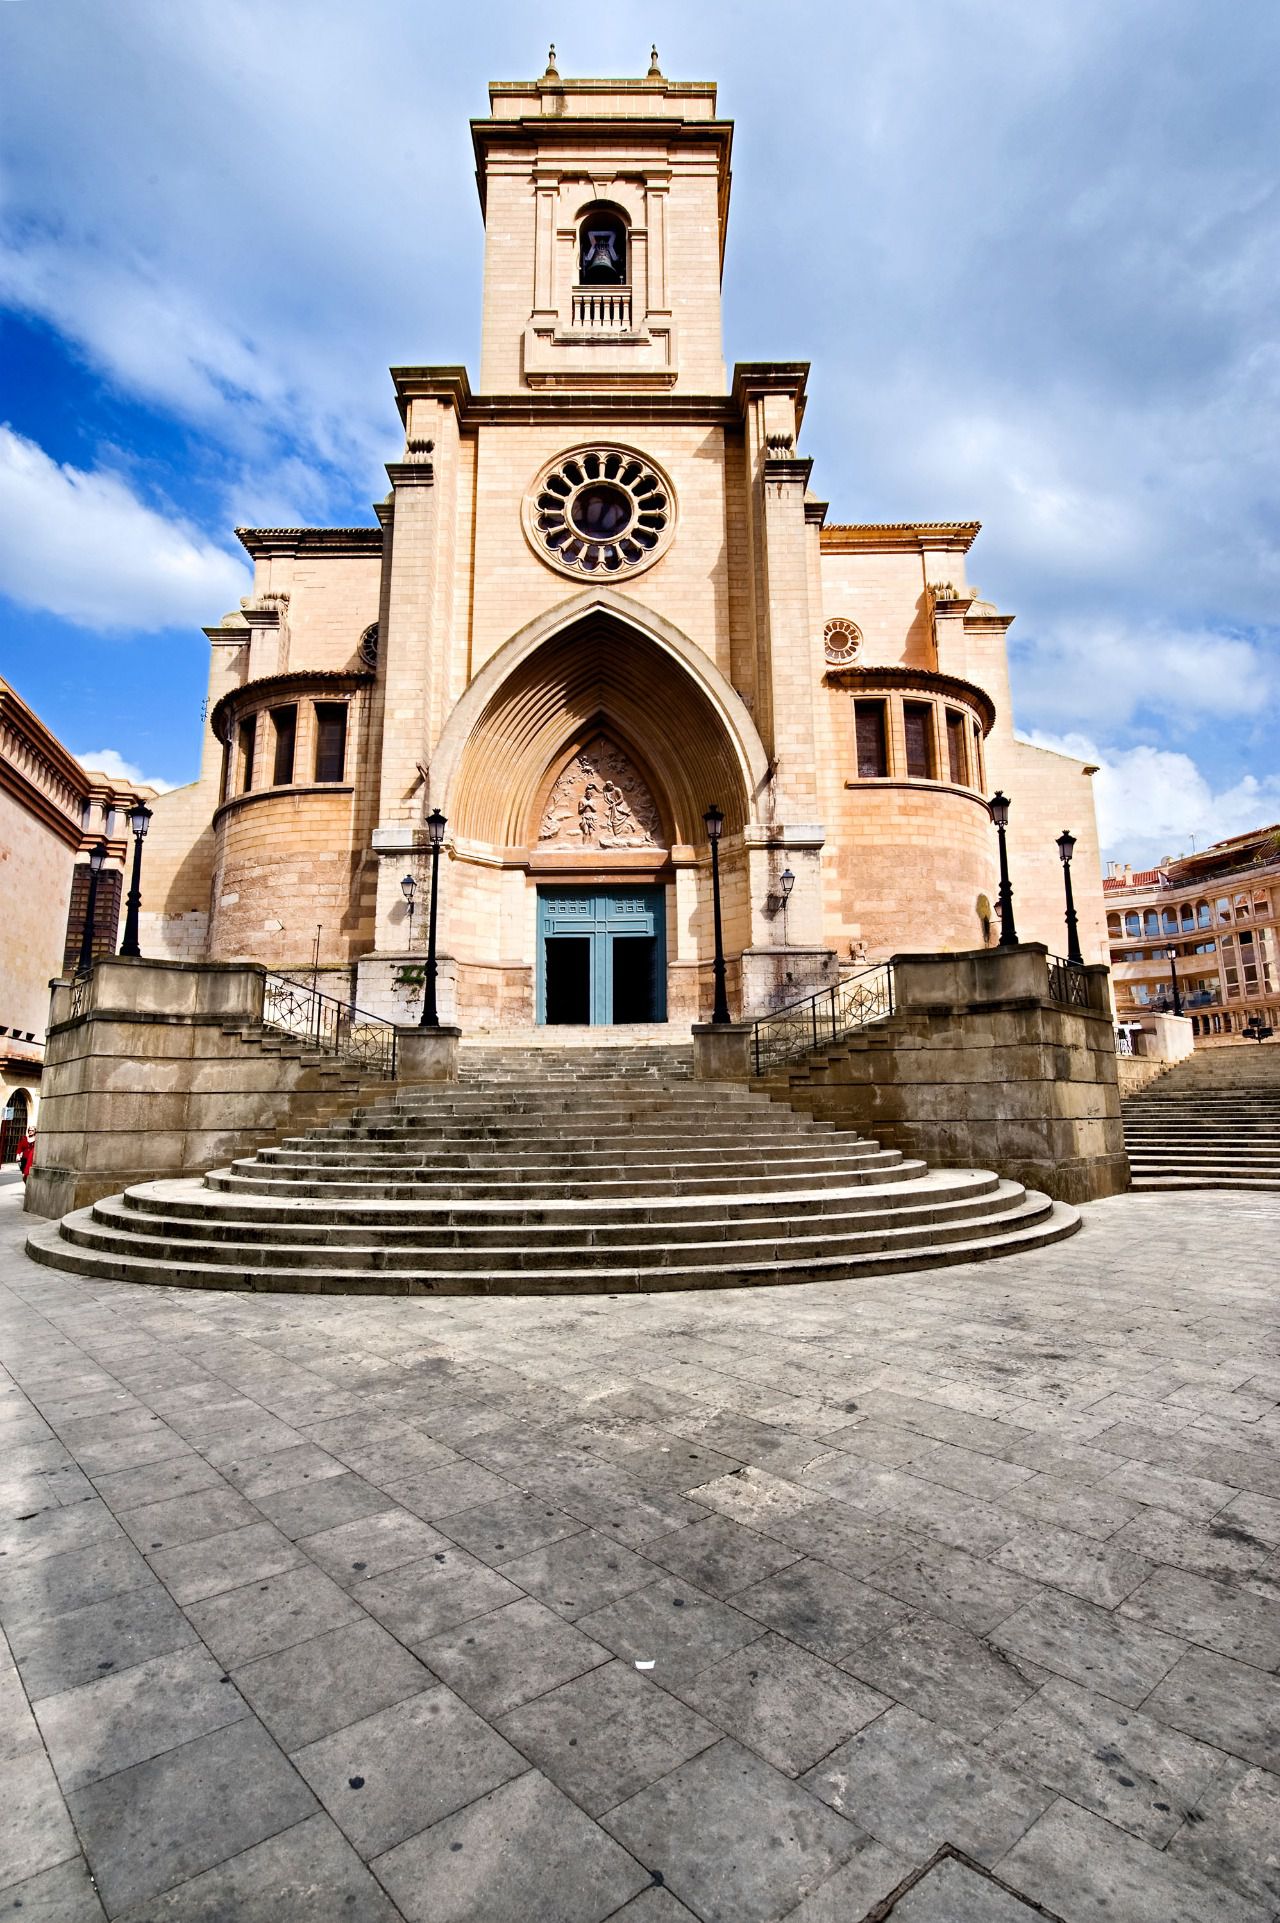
column 409, row 888
column 786, row 882
column 97, row 855
column 436, row 825
column 1171, row 956
column 1066, row 848
column 998, row 807
column 139, row 821
column 713, row 820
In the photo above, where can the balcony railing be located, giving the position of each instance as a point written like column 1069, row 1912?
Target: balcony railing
column 601, row 310
column 333, row 1027
column 828, row 1016
column 1068, row 983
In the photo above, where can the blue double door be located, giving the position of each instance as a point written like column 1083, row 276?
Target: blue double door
column 602, row 956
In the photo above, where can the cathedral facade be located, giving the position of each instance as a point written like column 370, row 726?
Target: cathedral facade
column 600, row 598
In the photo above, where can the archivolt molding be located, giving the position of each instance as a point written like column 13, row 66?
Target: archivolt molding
column 598, row 660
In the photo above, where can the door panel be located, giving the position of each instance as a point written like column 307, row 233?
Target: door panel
column 623, row 933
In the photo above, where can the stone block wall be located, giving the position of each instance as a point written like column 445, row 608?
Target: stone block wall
column 980, row 1068
column 161, row 1068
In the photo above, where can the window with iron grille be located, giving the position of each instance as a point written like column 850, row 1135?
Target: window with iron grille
column 872, row 738
column 917, row 724
column 331, row 740
column 955, row 748
column 284, row 721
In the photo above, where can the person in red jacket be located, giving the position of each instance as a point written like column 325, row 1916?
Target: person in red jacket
column 27, row 1152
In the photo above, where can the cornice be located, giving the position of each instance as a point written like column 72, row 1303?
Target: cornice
column 294, row 541
column 36, row 802
column 871, row 680
column 532, row 406
column 31, row 730
column 267, row 687
column 886, row 537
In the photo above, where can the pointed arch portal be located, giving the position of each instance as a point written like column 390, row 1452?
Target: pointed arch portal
column 596, row 665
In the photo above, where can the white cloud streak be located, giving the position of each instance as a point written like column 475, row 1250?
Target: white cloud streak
column 1154, row 802
column 106, row 761
column 83, row 546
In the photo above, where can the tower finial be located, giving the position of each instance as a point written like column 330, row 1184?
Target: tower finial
column 655, row 71
column 553, row 72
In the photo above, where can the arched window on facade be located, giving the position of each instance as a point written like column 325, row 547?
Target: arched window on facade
column 602, row 248
column 1151, row 921
column 1187, row 915
column 1204, row 914
column 1132, row 924
column 1113, row 925
column 1170, row 921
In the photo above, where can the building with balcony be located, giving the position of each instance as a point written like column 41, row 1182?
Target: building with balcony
column 52, row 812
column 1208, row 921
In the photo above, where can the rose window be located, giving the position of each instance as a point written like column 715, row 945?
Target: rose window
column 842, row 642
column 600, row 511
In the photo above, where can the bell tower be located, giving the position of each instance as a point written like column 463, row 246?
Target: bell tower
column 605, row 204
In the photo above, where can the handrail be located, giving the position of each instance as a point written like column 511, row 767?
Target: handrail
column 333, row 1027
column 827, row 1016
column 1068, row 983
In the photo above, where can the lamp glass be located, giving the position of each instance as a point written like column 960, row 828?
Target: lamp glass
column 786, row 882
column 408, row 887
column 97, row 855
column 1066, row 845
column 999, row 807
column 436, row 825
column 713, row 821
column 140, row 819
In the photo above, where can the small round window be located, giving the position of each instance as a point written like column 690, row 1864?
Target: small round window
column 600, row 511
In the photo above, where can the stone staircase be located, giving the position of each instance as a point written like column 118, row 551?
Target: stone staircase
column 557, row 1172
column 1203, row 1138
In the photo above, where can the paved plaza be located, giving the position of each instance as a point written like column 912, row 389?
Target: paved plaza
column 949, row 1597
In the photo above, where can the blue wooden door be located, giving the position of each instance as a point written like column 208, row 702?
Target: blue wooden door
column 602, row 955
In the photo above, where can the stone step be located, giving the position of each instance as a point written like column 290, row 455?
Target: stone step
column 1034, row 1223
column 193, row 1198
column 153, row 1209
column 933, row 1222
column 884, row 1166
column 572, row 1176
column 497, row 1156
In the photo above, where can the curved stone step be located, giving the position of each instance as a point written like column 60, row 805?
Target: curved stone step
column 1035, row 1223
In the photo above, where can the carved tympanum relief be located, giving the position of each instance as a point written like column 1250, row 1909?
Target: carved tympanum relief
column 601, row 800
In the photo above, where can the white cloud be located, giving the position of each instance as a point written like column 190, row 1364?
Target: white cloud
column 106, row 761
column 1153, row 802
column 83, row 546
column 1101, row 672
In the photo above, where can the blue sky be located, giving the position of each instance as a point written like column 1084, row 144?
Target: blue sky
column 1031, row 247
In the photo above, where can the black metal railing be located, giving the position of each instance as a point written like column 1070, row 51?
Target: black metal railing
column 1068, row 983
column 828, row 1016
column 332, row 1026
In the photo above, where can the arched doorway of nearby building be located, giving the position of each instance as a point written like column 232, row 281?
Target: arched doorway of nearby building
column 13, row 1126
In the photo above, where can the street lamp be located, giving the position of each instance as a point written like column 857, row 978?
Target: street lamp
column 436, row 825
column 1171, row 956
column 1066, row 848
column 139, row 821
column 713, row 821
column 786, row 882
column 97, row 855
column 998, row 807
column 409, row 888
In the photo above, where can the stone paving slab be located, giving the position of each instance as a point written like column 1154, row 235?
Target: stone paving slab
column 736, row 1607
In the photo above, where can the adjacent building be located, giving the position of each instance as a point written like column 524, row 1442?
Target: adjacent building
column 1207, row 921
column 600, row 598
column 52, row 812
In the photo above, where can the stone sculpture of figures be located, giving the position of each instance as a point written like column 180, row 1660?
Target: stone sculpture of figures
column 602, row 798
